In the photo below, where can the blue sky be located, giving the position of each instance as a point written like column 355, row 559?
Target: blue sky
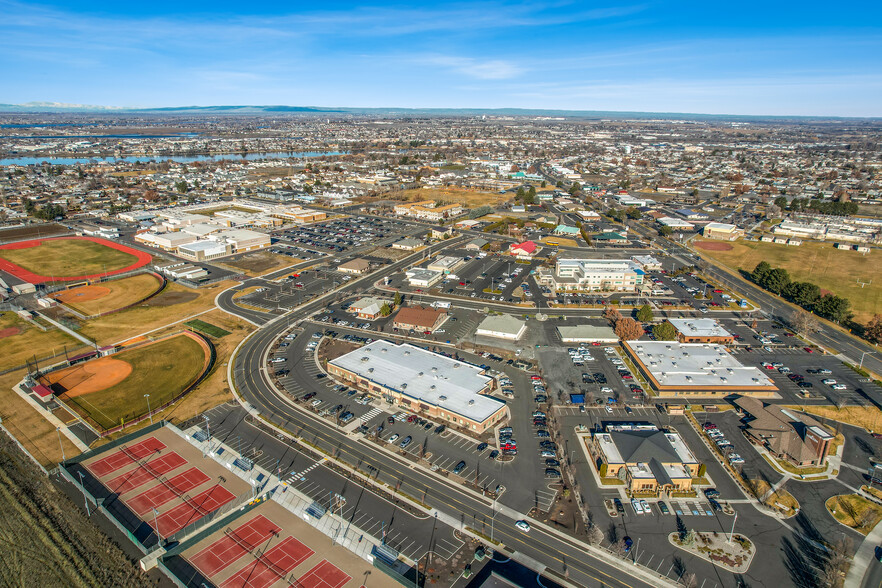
column 777, row 58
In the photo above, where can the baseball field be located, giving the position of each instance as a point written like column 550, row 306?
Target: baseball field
column 110, row 390
column 108, row 296
column 65, row 259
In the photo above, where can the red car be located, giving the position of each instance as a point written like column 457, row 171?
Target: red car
column 809, row 350
column 535, row 378
column 718, row 291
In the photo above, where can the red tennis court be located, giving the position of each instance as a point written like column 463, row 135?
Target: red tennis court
column 236, row 543
column 144, row 473
column 180, row 516
column 167, row 491
column 124, row 457
column 273, row 565
column 324, row 575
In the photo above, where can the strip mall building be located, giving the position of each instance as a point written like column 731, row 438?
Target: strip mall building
column 430, row 384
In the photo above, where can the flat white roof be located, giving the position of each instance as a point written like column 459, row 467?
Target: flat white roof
column 504, row 323
column 720, row 226
column 427, row 377
column 696, row 364
column 580, row 333
column 203, row 246
column 699, row 327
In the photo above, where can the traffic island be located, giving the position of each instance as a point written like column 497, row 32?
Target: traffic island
column 855, row 512
column 733, row 555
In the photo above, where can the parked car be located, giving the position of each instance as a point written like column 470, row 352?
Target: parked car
column 459, row 467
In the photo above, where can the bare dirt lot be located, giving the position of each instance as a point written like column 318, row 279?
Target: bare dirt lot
column 46, row 540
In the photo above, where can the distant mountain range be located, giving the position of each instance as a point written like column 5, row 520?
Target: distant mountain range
column 58, row 108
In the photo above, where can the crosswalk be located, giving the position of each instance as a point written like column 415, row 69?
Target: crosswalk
column 366, row 417
column 301, row 475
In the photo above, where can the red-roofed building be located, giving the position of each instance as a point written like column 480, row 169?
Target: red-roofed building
column 524, row 250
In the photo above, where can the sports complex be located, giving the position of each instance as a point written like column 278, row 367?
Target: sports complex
column 109, row 391
column 68, row 259
column 218, row 522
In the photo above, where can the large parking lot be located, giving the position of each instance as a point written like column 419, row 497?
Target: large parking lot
column 338, row 235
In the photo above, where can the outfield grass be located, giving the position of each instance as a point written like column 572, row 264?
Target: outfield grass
column 69, row 257
column 31, row 341
column 122, row 293
column 162, row 369
column 832, row 269
column 468, row 198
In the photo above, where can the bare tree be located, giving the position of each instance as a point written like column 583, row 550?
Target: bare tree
column 595, row 535
column 804, row 322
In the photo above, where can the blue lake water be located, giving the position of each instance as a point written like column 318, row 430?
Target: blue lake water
column 158, row 158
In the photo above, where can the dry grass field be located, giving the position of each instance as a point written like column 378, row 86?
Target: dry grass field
column 108, row 296
column 174, row 303
column 258, row 263
column 834, row 270
column 855, row 511
column 868, row 417
column 468, row 198
column 20, row 340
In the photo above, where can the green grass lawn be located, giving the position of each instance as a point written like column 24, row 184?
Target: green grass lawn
column 68, row 257
column 207, row 328
column 163, row 370
column 832, row 269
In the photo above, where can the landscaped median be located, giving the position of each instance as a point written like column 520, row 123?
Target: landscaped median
column 734, row 555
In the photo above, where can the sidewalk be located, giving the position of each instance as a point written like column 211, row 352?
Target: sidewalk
column 864, row 557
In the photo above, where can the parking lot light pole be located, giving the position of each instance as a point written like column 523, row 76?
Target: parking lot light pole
column 732, row 532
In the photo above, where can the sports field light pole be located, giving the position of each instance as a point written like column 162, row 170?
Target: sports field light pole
column 150, row 414
column 208, row 429
column 86, row 500
column 156, row 526
column 61, row 445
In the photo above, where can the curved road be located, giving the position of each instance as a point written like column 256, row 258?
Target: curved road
column 454, row 502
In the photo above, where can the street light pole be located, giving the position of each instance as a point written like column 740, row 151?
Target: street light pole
column 149, row 413
column 732, row 532
column 861, row 365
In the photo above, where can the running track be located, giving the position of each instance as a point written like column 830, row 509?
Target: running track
column 227, row 550
column 21, row 273
column 167, row 491
column 124, row 457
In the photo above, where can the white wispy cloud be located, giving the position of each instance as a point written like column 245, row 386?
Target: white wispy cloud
column 489, row 69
